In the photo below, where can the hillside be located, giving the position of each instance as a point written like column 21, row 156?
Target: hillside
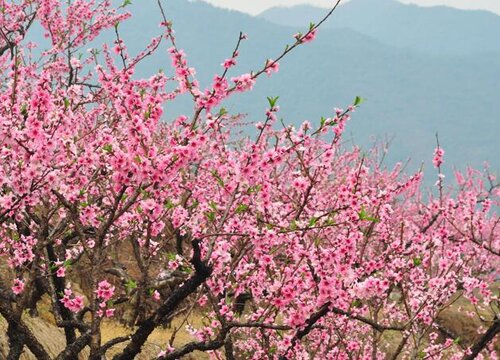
column 437, row 30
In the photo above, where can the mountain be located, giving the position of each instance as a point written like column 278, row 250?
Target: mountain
column 410, row 94
column 438, row 30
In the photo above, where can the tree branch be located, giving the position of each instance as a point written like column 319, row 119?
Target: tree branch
column 202, row 273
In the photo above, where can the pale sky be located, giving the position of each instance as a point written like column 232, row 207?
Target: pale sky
column 257, row 6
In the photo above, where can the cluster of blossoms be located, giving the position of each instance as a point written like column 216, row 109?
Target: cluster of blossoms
column 298, row 246
column 104, row 293
column 438, row 157
column 72, row 302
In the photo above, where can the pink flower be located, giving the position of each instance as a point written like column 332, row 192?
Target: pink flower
column 70, row 302
column 272, row 66
column 243, row 82
column 228, row 63
column 203, row 300
column 61, row 272
column 310, row 36
column 105, row 290
column 109, row 313
column 165, row 352
column 438, row 157
column 156, row 295
column 18, row 286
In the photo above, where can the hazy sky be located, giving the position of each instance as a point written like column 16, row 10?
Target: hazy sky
column 256, row 6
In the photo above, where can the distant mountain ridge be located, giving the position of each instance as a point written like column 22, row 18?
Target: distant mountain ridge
column 438, row 30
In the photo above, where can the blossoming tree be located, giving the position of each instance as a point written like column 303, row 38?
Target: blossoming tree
column 289, row 245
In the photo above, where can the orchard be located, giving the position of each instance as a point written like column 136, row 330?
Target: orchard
column 288, row 244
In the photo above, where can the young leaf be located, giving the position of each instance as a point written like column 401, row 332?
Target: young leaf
column 108, row 148
column 322, row 121
column 210, row 216
column 363, row 215
column 126, row 3
column 217, row 177
column 272, row 100
column 213, row 205
column 358, row 101
column 130, row 285
column 254, row 189
column 241, row 208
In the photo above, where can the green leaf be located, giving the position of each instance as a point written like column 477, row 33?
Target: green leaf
column 169, row 205
column 293, row 225
column 254, row 189
column 322, row 121
column 329, row 222
column 417, row 261
column 313, row 221
column 311, row 26
column 171, row 256
column 144, row 193
column 130, row 285
column 108, row 148
column 241, row 208
column 356, row 303
column 217, row 177
column 358, row 101
column 272, row 101
column 66, row 103
column 210, row 215
column 222, row 112
column 213, row 205
column 24, row 110
column 363, row 215
column 317, row 241
column 457, row 340
column 126, row 3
